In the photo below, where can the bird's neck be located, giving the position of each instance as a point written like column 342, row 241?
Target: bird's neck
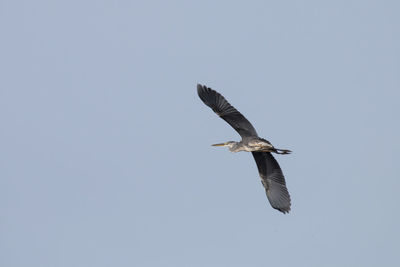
column 236, row 147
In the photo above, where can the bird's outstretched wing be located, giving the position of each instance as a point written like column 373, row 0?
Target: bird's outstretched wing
column 273, row 181
column 226, row 111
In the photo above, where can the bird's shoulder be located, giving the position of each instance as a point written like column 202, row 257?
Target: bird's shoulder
column 256, row 140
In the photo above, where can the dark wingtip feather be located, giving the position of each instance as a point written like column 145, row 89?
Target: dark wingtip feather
column 283, row 204
column 202, row 91
column 278, row 194
column 199, row 88
column 283, row 210
column 211, row 98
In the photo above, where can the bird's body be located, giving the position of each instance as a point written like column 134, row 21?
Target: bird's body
column 269, row 170
column 253, row 144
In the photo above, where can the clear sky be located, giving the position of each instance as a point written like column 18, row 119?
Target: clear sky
column 105, row 146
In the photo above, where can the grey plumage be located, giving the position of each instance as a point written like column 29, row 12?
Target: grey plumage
column 226, row 111
column 273, row 181
column 269, row 170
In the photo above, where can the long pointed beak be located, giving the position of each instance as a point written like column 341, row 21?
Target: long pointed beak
column 221, row 144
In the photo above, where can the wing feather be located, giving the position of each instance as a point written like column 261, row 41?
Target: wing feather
column 226, row 111
column 273, row 181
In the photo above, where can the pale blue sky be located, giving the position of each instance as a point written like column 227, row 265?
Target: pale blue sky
column 105, row 146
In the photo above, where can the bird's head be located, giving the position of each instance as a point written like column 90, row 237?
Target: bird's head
column 230, row 144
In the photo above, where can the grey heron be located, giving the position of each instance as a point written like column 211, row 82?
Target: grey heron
column 268, row 168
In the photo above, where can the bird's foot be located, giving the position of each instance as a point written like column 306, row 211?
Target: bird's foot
column 282, row 151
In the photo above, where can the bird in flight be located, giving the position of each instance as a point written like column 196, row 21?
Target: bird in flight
column 268, row 168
